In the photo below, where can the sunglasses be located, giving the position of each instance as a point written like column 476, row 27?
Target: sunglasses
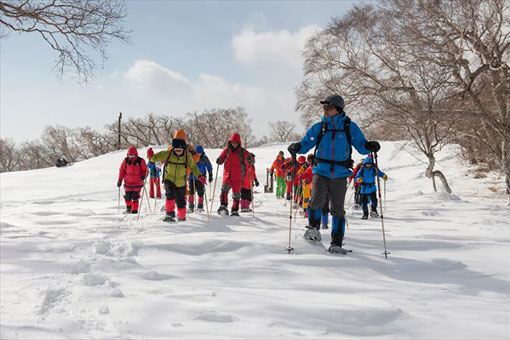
column 328, row 107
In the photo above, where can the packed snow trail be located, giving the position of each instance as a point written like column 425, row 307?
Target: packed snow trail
column 71, row 267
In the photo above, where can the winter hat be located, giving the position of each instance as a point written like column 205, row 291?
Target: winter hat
column 150, row 153
column 180, row 134
column 199, row 149
column 132, row 151
column 310, row 157
column 336, row 100
column 178, row 143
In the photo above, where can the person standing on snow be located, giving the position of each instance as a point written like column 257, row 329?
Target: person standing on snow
column 177, row 159
column 280, row 176
column 235, row 158
column 366, row 178
column 356, row 185
column 132, row 171
column 249, row 179
column 333, row 139
column 204, row 165
column 154, row 173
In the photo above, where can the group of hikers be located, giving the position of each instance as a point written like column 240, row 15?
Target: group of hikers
column 184, row 170
column 317, row 182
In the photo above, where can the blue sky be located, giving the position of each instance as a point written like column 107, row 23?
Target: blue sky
column 183, row 56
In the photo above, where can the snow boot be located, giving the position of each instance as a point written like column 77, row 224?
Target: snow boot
column 134, row 211
column 336, row 249
column 374, row 214
column 312, row 234
column 128, row 210
column 223, row 210
column 191, row 208
column 170, row 217
column 200, row 207
column 365, row 216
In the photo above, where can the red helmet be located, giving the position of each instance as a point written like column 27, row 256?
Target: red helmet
column 301, row 159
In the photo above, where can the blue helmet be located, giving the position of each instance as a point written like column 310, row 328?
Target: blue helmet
column 199, row 149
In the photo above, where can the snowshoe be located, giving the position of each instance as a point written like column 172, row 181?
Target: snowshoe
column 374, row 214
column 234, row 213
column 169, row 218
column 313, row 235
column 336, row 249
column 222, row 210
column 364, row 217
column 134, row 211
column 191, row 209
column 127, row 211
column 245, row 210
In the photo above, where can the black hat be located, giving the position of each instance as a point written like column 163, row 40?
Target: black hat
column 334, row 99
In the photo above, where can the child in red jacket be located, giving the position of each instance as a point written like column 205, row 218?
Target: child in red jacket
column 133, row 171
column 247, row 190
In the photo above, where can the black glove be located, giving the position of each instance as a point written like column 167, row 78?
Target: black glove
column 210, row 178
column 294, row 148
column 219, row 161
column 119, row 183
column 256, row 182
column 373, row 146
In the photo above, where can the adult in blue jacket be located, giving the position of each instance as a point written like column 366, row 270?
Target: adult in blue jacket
column 333, row 163
column 366, row 177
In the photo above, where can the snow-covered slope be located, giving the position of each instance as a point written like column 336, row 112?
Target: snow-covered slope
column 72, row 267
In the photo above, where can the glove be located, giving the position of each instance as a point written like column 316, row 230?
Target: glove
column 202, row 179
column 256, row 182
column 119, row 183
column 294, row 148
column 219, row 161
column 210, row 178
column 373, row 146
column 385, row 178
column 142, row 177
column 360, row 180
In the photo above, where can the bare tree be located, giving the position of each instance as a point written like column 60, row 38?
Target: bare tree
column 10, row 157
column 94, row 143
column 363, row 57
column 470, row 40
column 283, row 131
column 75, row 29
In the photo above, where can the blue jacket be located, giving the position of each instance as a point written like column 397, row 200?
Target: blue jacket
column 204, row 164
column 154, row 170
column 333, row 145
column 368, row 185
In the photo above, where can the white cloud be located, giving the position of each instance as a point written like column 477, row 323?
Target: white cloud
column 282, row 47
column 155, row 88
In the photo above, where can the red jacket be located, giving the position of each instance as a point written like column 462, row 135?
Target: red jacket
column 131, row 171
column 235, row 160
column 354, row 172
column 288, row 170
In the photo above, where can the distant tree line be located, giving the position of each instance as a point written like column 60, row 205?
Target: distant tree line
column 210, row 128
column 430, row 72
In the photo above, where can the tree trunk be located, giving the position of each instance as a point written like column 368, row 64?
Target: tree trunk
column 431, row 173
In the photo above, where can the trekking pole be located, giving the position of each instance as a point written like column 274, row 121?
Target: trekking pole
column 384, row 195
column 289, row 248
column 252, row 204
column 141, row 200
column 380, row 203
column 214, row 190
column 194, row 190
column 207, row 204
column 118, row 203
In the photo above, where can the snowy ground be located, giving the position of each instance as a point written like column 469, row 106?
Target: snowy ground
column 71, row 267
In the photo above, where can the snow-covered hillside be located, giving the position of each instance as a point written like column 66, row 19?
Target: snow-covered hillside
column 72, row 267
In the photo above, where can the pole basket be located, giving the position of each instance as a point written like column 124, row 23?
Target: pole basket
column 269, row 182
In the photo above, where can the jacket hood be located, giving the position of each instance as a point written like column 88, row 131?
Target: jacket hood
column 150, row 153
column 132, row 151
column 180, row 134
column 199, row 149
column 235, row 138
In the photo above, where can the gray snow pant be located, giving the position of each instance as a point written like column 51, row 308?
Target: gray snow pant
column 335, row 188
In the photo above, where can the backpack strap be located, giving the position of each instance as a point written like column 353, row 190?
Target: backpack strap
column 349, row 163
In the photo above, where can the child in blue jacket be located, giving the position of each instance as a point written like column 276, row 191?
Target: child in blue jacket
column 205, row 167
column 366, row 177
